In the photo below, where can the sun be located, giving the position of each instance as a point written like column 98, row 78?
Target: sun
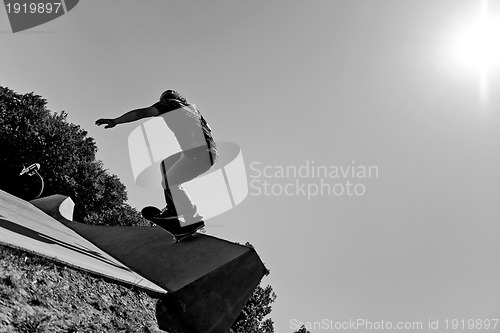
column 478, row 45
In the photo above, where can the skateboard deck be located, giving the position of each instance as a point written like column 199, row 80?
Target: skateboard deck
column 150, row 213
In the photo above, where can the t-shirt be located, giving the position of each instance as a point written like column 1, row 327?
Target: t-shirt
column 186, row 122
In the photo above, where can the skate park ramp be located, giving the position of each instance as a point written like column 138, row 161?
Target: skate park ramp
column 24, row 226
column 202, row 282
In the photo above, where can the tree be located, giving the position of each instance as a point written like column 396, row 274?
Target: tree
column 30, row 133
column 251, row 319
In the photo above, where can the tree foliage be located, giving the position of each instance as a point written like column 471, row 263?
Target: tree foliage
column 252, row 318
column 30, row 133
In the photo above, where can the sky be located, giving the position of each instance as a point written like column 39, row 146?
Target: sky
column 374, row 89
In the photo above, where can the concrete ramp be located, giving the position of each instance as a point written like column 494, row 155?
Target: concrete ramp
column 208, row 280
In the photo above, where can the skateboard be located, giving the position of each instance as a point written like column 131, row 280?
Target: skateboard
column 150, row 213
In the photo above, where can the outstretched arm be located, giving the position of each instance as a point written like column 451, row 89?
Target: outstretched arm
column 128, row 117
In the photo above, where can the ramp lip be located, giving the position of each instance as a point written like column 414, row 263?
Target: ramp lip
column 58, row 206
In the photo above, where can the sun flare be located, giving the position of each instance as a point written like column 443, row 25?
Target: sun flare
column 478, row 45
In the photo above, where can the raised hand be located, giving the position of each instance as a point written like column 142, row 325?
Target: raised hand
column 110, row 123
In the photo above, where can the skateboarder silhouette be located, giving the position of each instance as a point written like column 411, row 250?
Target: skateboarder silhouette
column 199, row 153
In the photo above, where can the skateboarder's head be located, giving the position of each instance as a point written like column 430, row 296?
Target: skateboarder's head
column 172, row 94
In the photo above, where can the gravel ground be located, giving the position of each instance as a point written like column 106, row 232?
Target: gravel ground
column 38, row 295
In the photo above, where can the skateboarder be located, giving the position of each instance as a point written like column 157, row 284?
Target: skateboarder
column 199, row 153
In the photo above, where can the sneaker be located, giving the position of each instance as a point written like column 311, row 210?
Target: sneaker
column 167, row 214
column 193, row 219
column 191, row 228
